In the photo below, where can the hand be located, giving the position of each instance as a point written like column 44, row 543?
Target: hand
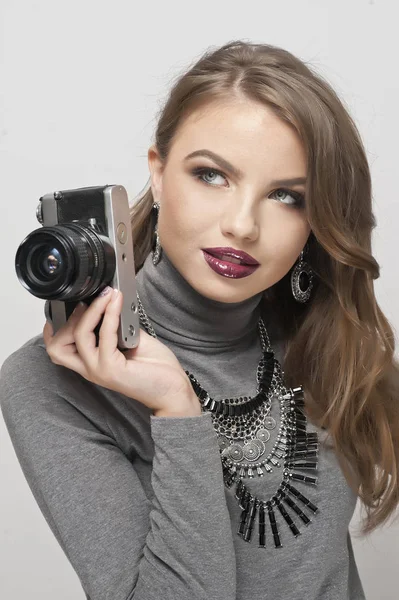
column 149, row 373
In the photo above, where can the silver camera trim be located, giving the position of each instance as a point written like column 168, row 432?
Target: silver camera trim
column 116, row 208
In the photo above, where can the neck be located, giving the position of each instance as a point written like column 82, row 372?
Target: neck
column 183, row 316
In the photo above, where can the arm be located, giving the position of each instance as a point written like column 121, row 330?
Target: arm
column 189, row 407
column 177, row 545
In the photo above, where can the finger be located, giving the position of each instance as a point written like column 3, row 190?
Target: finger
column 85, row 338
column 70, row 359
column 64, row 335
column 108, row 334
column 61, row 346
column 87, row 361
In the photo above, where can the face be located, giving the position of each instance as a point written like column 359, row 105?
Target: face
column 204, row 203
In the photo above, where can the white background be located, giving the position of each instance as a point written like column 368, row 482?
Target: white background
column 80, row 86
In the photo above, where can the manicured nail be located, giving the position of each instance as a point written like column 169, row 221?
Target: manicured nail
column 115, row 294
column 105, row 291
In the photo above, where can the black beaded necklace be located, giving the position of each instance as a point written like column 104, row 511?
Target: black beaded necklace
column 297, row 447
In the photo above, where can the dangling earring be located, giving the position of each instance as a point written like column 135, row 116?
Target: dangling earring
column 302, row 280
column 156, row 257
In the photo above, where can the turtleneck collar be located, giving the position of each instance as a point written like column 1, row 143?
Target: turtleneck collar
column 181, row 315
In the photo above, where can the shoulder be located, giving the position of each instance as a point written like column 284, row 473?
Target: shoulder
column 32, row 385
column 26, row 366
column 26, row 360
column 34, row 389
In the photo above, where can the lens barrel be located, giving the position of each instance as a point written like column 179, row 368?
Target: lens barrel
column 66, row 262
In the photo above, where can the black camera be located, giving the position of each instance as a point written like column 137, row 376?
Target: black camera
column 84, row 245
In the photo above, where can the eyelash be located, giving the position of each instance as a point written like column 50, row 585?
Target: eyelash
column 198, row 172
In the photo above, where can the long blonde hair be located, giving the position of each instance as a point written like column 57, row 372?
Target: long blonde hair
column 340, row 346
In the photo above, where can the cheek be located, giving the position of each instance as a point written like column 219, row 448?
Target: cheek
column 285, row 242
column 184, row 211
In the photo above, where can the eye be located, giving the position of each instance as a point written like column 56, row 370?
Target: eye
column 211, row 173
column 200, row 172
column 298, row 198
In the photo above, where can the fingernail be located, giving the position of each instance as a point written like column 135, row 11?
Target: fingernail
column 105, row 291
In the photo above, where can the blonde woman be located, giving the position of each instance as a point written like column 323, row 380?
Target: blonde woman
column 223, row 457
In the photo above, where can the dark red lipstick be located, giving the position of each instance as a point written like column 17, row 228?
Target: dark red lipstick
column 246, row 259
column 218, row 260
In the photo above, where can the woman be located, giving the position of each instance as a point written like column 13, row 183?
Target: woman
column 152, row 488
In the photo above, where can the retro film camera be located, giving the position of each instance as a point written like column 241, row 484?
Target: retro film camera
column 84, row 245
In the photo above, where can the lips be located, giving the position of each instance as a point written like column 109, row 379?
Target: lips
column 238, row 256
column 227, row 268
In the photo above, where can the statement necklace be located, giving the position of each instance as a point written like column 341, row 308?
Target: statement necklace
column 248, row 419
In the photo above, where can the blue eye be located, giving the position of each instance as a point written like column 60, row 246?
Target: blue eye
column 199, row 173
column 299, row 199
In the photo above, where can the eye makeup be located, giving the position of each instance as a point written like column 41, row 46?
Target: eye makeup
column 200, row 172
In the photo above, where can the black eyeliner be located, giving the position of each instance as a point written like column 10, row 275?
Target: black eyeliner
column 298, row 196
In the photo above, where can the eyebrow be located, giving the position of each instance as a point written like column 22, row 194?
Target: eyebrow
column 227, row 166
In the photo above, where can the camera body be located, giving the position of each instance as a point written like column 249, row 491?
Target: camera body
column 85, row 244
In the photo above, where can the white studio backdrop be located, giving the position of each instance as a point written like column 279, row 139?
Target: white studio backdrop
column 80, row 87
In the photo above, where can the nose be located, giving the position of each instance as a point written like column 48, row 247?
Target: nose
column 240, row 221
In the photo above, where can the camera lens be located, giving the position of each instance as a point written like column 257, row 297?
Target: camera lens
column 48, row 261
column 65, row 262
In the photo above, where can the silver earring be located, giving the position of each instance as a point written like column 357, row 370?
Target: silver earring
column 156, row 257
column 302, row 280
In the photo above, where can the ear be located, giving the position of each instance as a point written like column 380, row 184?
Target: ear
column 156, row 166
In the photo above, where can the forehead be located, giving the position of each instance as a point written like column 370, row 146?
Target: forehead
column 242, row 129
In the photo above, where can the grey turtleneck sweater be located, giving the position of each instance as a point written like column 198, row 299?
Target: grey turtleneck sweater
column 138, row 502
